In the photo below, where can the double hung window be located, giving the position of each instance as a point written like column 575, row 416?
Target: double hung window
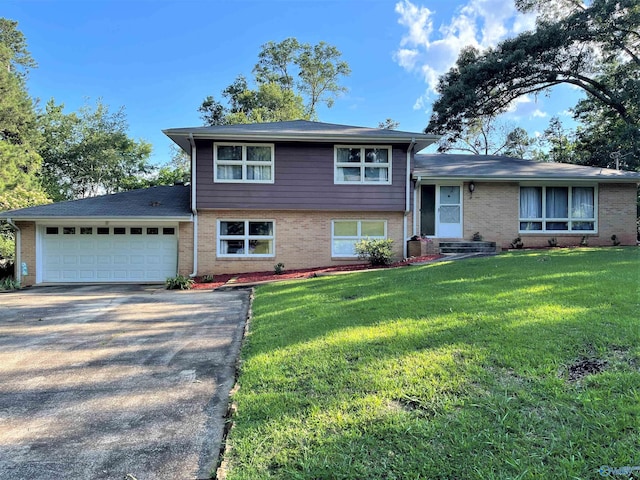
column 245, row 238
column 355, row 165
column 243, row 162
column 557, row 209
column 346, row 233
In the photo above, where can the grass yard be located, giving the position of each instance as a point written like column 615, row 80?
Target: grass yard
column 523, row 365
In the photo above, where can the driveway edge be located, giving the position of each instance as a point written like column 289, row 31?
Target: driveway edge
column 232, row 408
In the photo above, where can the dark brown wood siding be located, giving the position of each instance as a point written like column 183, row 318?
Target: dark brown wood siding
column 303, row 181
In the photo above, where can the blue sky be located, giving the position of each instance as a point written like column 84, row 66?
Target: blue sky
column 160, row 58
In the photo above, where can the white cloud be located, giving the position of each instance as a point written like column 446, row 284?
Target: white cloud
column 432, row 51
column 537, row 113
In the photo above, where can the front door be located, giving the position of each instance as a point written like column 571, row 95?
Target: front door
column 449, row 211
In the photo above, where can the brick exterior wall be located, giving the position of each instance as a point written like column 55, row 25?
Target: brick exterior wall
column 302, row 239
column 492, row 210
column 28, row 252
column 185, row 248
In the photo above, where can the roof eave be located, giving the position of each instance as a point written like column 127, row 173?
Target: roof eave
column 129, row 218
column 524, row 178
column 421, row 140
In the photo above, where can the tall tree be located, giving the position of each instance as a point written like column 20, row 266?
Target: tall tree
column 487, row 136
column 595, row 47
column 320, row 72
column 291, row 79
column 89, row 153
column 389, row 124
column 19, row 161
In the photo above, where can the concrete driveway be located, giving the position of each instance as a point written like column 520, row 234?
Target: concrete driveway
column 115, row 382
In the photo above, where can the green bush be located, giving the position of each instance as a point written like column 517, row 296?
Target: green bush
column 179, row 282
column 9, row 284
column 278, row 268
column 377, row 252
column 7, row 247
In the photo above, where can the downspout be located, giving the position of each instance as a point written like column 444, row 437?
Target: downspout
column 17, row 267
column 407, row 204
column 194, row 210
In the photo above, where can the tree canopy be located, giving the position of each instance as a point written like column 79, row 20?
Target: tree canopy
column 291, row 80
column 594, row 47
column 89, row 153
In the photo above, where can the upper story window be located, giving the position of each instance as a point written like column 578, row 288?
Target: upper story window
column 236, row 162
column 362, row 165
column 557, row 209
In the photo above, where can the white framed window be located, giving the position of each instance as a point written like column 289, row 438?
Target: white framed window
column 246, row 238
column 362, row 164
column 346, row 233
column 238, row 162
column 557, row 209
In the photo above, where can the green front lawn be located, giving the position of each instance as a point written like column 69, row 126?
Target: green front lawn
column 470, row 369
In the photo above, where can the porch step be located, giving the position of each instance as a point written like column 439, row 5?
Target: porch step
column 468, row 247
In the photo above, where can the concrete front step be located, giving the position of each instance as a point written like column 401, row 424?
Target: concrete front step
column 467, row 247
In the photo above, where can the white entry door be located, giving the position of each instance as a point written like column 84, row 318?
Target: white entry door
column 449, row 211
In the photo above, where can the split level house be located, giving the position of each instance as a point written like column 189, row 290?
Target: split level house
column 302, row 194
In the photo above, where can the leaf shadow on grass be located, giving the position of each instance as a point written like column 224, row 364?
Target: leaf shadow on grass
column 443, row 371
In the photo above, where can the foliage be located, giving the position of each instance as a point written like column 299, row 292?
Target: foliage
column 584, row 241
column 7, row 245
column 594, row 47
column 476, row 237
column 486, row 136
column 389, row 124
column 89, row 153
column 286, row 74
column 375, row 251
column 517, row 243
column 615, row 240
column 468, row 376
column 179, row 282
column 553, row 242
column 278, row 268
column 9, row 284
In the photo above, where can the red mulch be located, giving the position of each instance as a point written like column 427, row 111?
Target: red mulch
column 252, row 277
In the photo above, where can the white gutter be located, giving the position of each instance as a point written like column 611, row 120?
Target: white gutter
column 17, row 266
column 407, row 204
column 194, row 210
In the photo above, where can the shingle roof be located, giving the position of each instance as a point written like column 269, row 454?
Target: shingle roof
column 154, row 202
column 493, row 167
column 298, row 130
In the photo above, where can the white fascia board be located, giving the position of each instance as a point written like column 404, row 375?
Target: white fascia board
column 478, row 178
column 87, row 220
column 421, row 141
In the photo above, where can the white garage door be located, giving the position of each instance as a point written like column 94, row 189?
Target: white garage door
column 108, row 254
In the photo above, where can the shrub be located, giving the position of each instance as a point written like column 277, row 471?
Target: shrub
column 377, row 252
column 584, row 242
column 553, row 242
column 476, row 237
column 207, row 278
column 615, row 240
column 179, row 282
column 517, row 243
column 9, row 284
column 278, row 268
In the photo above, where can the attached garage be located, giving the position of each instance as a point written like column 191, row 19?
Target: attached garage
column 126, row 237
column 93, row 253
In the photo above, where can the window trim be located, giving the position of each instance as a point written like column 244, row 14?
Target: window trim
column 362, row 165
column 243, row 163
column 569, row 219
column 359, row 235
column 246, row 238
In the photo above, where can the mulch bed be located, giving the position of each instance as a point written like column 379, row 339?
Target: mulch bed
column 253, row 277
